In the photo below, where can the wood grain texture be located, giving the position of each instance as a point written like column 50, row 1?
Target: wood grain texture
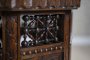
column 67, row 35
column 11, row 39
column 3, row 37
column 11, row 30
column 40, row 4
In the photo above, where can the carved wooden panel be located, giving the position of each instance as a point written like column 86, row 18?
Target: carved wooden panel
column 52, row 57
column 42, row 29
column 39, row 3
column 51, row 3
column 42, row 4
column 43, row 52
column 11, row 38
column 36, row 29
column 27, row 3
column 48, row 57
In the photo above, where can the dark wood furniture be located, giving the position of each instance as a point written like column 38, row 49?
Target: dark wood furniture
column 36, row 29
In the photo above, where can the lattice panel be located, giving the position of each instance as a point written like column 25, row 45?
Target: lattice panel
column 42, row 29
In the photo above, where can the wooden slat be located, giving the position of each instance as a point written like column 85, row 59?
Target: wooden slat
column 67, row 35
column 4, row 37
column 40, row 54
column 18, row 38
column 43, row 46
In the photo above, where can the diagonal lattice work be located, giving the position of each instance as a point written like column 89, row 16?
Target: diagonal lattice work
column 42, row 29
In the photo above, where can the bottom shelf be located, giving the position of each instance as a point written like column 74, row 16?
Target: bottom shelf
column 45, row 52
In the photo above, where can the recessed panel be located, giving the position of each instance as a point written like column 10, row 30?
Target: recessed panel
column 41, row 29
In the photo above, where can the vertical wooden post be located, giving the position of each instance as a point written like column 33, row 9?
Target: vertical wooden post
column 3, row 36
column 18, row 34
column 67, row 28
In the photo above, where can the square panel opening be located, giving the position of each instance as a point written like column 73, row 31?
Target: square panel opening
column 41, row 29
